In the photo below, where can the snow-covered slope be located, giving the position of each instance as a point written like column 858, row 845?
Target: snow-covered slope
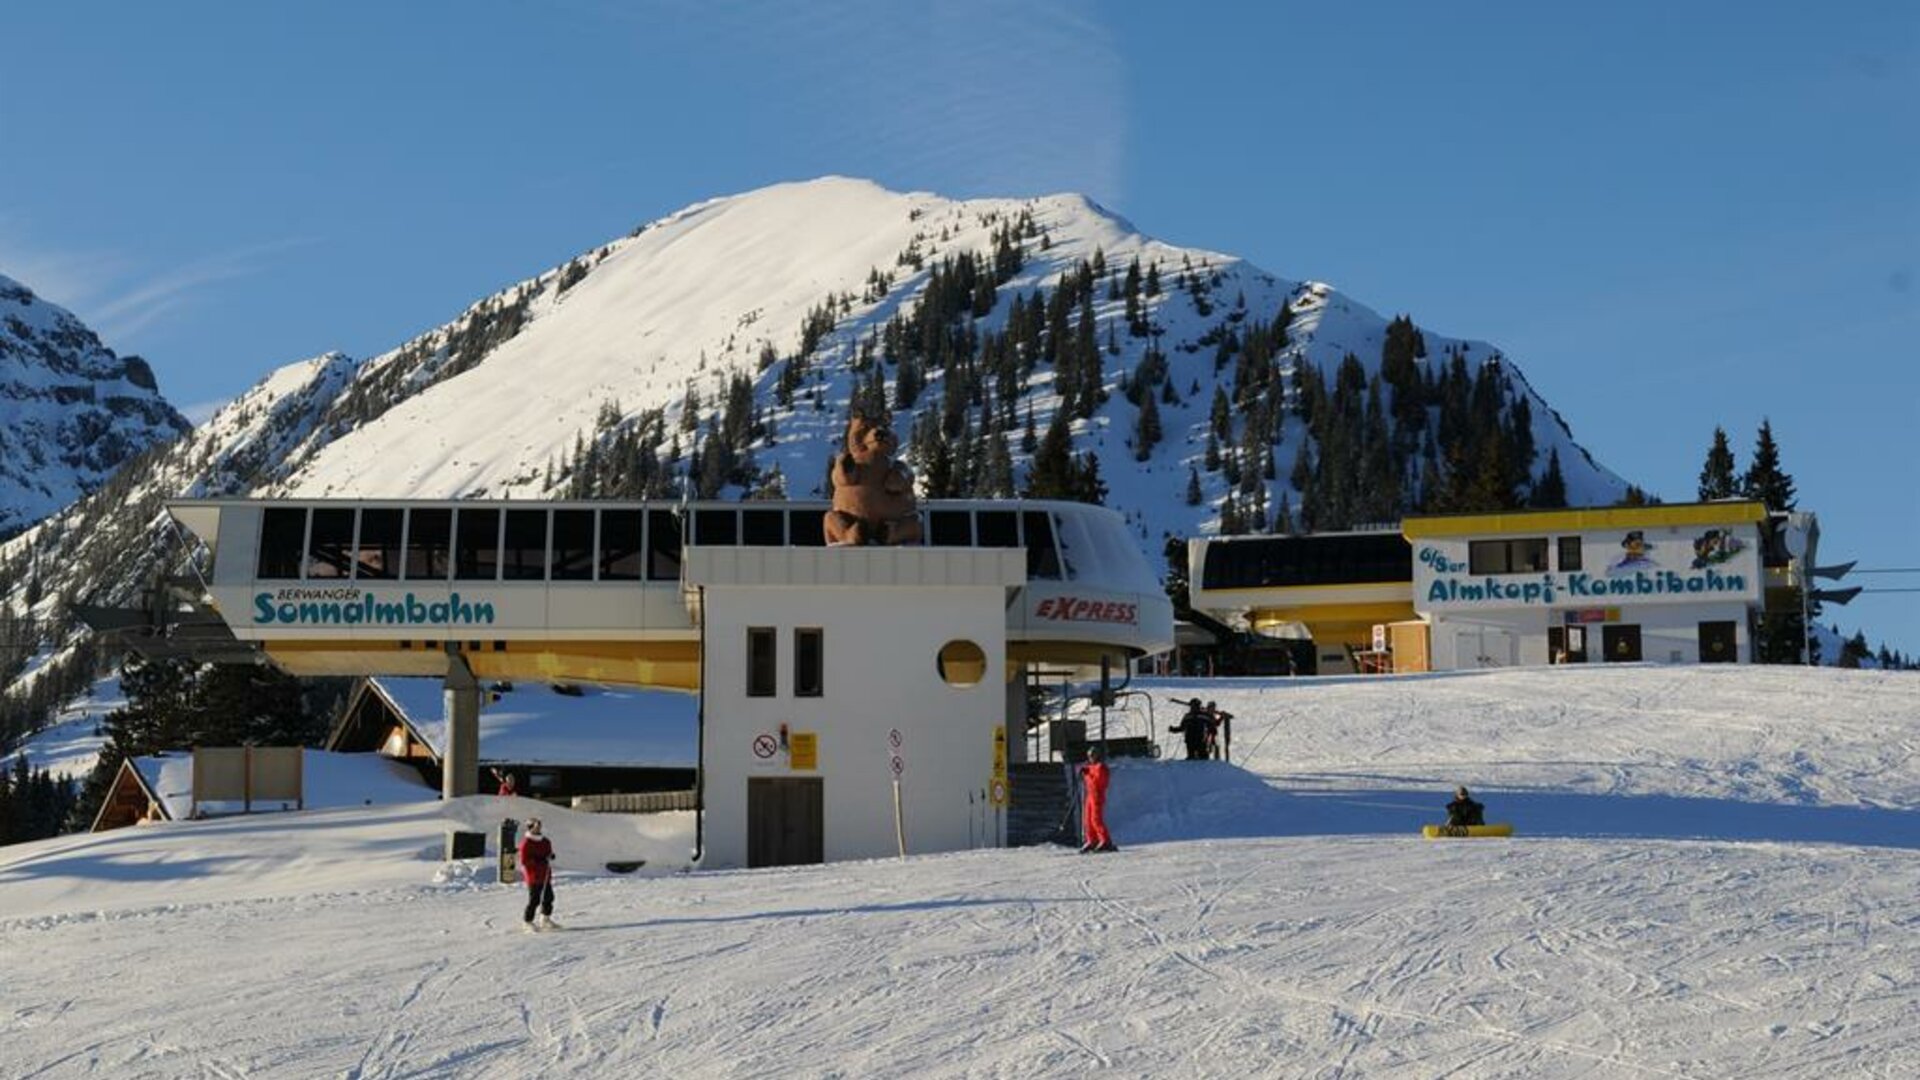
column 70, row 410
column 1715, row 875
column 72, row 743
column 702, row 293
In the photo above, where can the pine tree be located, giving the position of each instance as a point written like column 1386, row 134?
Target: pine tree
column 1719, row 478
column 1194, row 494
column 1146, row 431
column 1765, row 481
column 1551, row 492
column 1053, row 475
column 1283, row 523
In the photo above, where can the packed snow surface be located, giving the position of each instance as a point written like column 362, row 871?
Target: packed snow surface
column 1715, row 876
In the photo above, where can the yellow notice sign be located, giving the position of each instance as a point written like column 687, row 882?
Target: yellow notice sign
column 997, row 791
column 803, row 750
column 1000, row 753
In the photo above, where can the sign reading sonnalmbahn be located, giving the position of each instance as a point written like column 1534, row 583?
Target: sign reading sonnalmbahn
column 350, row 606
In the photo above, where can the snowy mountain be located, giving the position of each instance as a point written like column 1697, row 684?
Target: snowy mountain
column 808, row 275
column 722, row 347
column 71, row 411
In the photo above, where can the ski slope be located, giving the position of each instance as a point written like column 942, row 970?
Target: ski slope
column 1716, row 876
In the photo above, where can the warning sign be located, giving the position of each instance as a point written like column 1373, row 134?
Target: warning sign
column 765, row 745
column 997, row 791
column 803, row 749
column 1000, row 753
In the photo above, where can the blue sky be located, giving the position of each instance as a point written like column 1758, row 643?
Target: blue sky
column 1672, row 216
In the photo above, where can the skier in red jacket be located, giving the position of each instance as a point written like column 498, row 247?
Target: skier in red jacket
column 536, row 868
column 1094, row 776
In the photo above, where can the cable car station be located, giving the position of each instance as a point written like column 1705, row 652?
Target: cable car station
column 825, row 674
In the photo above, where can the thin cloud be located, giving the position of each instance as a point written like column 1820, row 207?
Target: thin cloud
column 110, row 295
column 72, row 279
column 147, row 302
column 940, row 95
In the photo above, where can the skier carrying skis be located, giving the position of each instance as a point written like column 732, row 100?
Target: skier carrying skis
column 1094, row 777
column 1194, row 726
column 536, row 868
column 1219, row 731
column 1464, row 811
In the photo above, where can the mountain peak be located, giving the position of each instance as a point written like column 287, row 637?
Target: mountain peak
column 73, row 410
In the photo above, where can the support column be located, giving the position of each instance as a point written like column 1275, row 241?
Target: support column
column 1017, row 716
column 460, row 761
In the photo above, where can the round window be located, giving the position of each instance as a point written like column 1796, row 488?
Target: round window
column 962, row 663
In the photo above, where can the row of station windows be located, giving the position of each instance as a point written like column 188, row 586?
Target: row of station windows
column 1296, row 561
column 482, row 543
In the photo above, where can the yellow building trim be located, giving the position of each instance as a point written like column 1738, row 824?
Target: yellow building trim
column 1597, row 519
column 672, row 665
column 1283, row 591
column 1330, row 614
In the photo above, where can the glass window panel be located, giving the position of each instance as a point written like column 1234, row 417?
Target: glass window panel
column 763, row 528
column 1487, row 556
column 663, row 546
column 1042, row 560
column 621, row 544
column 715, row 528
column 572, row 545
column 996, row 528
column 330, row 544
column 377, row 556
column 808, row 662
column 1529, row 556
column 477, row 547
column 429, row 540
column 807, row 528
column 762, row 668
column 523, row 555
column 950, row 528
column 1569, row 553
column 283, row 539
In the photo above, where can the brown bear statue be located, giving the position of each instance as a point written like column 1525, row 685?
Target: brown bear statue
column 872, row 493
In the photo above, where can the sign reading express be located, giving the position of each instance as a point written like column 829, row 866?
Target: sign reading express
column 359, row 607
column 1448, row 586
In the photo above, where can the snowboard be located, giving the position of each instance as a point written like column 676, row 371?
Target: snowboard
column 1449, row 832
column 509, row 851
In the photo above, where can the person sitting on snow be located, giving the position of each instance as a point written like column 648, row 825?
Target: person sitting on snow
column 1464, row 811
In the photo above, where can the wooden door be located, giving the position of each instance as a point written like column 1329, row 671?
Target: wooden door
column 786, row 821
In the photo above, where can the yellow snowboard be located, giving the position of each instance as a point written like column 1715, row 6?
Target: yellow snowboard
column 1444, row 832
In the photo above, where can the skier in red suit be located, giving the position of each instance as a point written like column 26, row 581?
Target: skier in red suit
column 1094, row 777
column 536, row 868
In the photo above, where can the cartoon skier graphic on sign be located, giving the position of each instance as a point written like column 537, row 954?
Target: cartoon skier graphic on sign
column 1634, row 555
column 1715, row 546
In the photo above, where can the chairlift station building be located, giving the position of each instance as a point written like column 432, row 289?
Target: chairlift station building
column 1665, row 583
column 823, row 674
